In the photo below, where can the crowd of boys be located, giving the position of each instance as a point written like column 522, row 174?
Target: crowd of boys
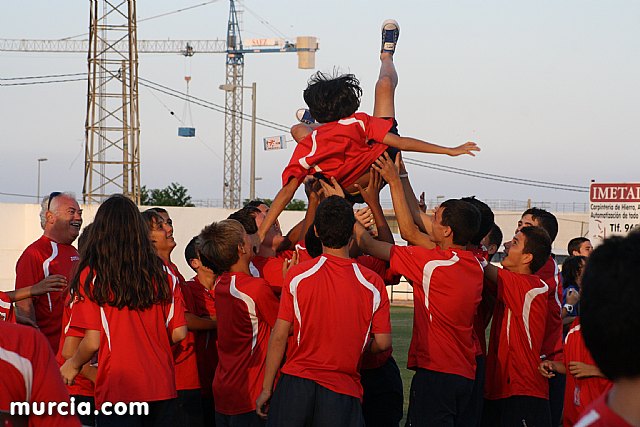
column 294, row 330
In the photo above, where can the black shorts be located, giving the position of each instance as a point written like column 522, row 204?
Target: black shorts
column 162, row 413
column 437, row 399
column 248, row 419
column 383, row 395
column 190, row 407
column 516, row 411
column 472, row 414
column 302, row 402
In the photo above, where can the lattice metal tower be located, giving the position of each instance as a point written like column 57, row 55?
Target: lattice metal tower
column 233, row 111
column 112, row 150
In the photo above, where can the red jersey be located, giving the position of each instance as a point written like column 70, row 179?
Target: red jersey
column 303, row 254
column 579, row 393
column 345, row 149
column 447, row 285
column 270, row 269
column 30, row 374
column 247, row 310
column 600, row 415
column 203, row 301
column 552, row 344
column 485, row 308
column 333, row 304
column 184, row 352
column 41, row 259
column 6, row 309
column 517, row 332
column 134, row 361
column 81, row 386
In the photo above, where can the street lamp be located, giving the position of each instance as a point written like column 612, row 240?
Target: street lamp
column 40, row 160
column 252, row 178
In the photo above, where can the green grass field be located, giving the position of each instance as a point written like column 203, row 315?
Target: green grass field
column 401, row 323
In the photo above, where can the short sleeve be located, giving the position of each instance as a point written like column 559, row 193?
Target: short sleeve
column 175, row 318
column 381, row 323
column 6, row 308
column 286, row 302
column 408, row 261
column 377, row 128
column 267, row 304
column 28, row 271
column 188, row 298
column 85, row 314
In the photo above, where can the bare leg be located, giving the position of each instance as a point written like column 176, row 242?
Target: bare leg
column 384, row 105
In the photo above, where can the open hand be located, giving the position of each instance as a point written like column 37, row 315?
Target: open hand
column 387, row 168
column 371, row 194
column 466, row 148
column 53, row 283
column 333, row 189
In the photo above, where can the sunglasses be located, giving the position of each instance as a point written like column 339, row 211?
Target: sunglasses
column 52, row 196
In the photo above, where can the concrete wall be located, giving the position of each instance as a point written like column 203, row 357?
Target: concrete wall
column 22, row 227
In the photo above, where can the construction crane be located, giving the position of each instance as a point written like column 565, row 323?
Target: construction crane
column 112, row 149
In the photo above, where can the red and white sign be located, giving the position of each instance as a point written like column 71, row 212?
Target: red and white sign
column 614, row 209
column 274, row 143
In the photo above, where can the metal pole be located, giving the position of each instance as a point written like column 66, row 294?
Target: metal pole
column 39, row 163
column 252, row 183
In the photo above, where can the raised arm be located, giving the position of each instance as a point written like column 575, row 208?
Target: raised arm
column 371, row 196
column 423, row 220
column 371, row 246
column 281, row 201
column 408, row 228
column 405, row 143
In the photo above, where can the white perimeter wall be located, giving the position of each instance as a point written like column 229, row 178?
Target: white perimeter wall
column 22, row 227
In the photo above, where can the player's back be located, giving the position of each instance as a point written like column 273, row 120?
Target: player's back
column 336, row 303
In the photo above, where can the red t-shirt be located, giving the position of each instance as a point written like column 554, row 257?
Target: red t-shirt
column 344, row 149
column 203, row 300
column 247, row 310
column 29, row 373
column 579, row 392
column 6, row 309
column 517, row 332
column 184, row 352
column 447, row 285
column 134, row 361
column 600, row 415
column 303, row 254
column 552, row 344
column 330, row 331
column 81, row 386
column 41, row 259
column 270, row 269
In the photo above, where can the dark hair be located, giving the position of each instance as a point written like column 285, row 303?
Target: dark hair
column 150, row 217
column 609, row 306
column 247, row 217
column 256, row 202
column 538, row 244
column 463, row 218
column 312, row 242
column 83, row 239
column 575, row 243
column 546, row 220
column 190, row 251
column 334, row 222
column 332, row 97
column 486, row 219
column 218, row 244
column 158, row 210
column 123, row 266
column 571, row 268
column 495, row 235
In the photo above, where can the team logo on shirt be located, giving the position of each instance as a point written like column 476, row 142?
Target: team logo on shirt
column 75, row 258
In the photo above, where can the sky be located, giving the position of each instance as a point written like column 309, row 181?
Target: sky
column 548, row 89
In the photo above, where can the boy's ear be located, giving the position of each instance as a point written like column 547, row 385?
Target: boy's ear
column 527, row 258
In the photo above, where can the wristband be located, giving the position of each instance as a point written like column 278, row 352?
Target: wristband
column 404, row 175
column 569, row 308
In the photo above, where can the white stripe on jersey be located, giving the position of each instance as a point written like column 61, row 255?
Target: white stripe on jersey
column 251, row 306
column 5, row 305
column 572, row 330
column 314, row 148
column 526, row 309
column 556, row 278
column 45, row 268
column 350, row 121
column 105, row 326
column 591, row 417
column 427, row 272
column 376, row 298
column 174, row 279
column 293, row 288
column 23, row 365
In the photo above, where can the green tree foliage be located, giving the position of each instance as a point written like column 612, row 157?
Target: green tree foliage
column 173, row 195
column 294, row 205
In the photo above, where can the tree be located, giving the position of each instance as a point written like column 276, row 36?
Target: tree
column 294, row 205
column 173, row 195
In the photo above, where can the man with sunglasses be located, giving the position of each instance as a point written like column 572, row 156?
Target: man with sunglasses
column 50, row 259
